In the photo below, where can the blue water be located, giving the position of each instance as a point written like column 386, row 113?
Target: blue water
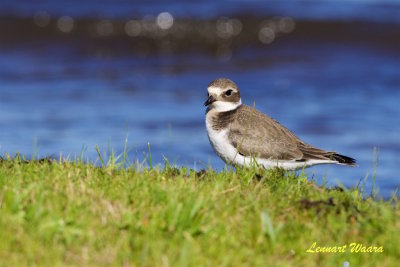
column 58, row 98
column 382, row 10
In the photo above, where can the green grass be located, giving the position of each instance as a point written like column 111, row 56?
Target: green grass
column 77, row 214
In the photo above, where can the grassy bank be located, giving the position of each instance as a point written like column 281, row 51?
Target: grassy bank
column 74, row 214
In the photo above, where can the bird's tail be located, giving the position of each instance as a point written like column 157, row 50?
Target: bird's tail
column 343, row 159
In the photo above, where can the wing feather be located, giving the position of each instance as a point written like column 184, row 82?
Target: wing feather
column 255, row 134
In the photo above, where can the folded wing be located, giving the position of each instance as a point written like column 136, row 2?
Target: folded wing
column 255, row 134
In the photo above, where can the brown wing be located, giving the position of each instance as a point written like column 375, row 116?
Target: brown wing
column 253, row 133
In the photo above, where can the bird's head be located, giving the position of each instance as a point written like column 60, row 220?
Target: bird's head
column 223, row 95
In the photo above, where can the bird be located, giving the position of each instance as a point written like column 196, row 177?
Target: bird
column 243, row 136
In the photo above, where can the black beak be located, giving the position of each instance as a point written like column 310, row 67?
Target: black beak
column 209, row 101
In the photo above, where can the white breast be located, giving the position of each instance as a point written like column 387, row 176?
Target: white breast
column 220, row 143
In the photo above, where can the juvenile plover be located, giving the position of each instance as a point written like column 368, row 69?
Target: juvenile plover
column 242, row 135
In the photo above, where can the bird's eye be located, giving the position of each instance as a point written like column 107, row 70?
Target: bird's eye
column 229, row 92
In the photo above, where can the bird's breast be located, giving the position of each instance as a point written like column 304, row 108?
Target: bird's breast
column 219, row 140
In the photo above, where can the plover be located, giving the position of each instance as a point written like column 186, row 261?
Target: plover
column 242, row 135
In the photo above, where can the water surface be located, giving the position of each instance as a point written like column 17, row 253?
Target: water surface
column 333, row 79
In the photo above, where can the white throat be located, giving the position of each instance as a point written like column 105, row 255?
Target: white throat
column 223, row 106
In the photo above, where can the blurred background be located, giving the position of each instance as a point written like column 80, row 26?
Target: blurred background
column 76, row 74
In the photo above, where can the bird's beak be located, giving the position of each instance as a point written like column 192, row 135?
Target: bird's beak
column 210, row 100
